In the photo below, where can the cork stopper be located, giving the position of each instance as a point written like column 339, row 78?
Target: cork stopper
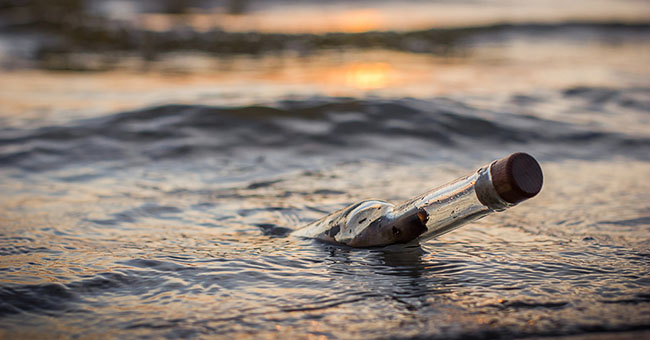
column 517, row 177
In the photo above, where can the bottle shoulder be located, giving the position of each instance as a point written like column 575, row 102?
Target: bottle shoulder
column 369, row 209
column 366, row 223
column 348, row 220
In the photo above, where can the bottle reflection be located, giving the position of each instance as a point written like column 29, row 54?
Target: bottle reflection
column 400, row 273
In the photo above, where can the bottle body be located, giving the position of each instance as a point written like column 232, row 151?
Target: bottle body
column 454, row 204
column 494, row 187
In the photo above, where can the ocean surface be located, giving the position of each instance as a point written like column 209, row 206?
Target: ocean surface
column 153, row 198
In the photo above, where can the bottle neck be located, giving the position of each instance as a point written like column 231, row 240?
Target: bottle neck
column 486, row 192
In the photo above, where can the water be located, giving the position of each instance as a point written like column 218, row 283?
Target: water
column 157, row 202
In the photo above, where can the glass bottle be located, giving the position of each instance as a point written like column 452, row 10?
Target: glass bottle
column 494, row 187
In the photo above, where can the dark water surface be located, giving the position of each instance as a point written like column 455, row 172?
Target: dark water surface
column 172, row 221
column 155, row 200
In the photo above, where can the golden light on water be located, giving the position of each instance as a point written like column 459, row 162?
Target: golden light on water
column 368, row 76
column 34, row 95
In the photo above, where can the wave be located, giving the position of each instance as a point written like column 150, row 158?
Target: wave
column 401, row 129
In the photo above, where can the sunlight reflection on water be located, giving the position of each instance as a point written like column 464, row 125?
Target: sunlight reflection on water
column 515, row 66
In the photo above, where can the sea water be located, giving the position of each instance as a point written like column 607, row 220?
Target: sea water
column 158, row 204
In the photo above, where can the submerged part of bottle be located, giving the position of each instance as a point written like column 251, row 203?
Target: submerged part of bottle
column 494, row 187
